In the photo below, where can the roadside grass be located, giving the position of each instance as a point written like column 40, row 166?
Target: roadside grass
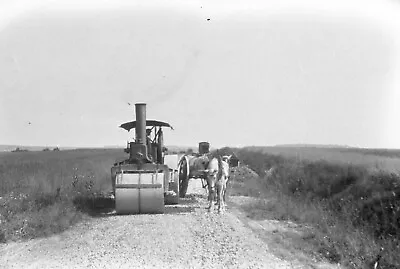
column 42, row 193
column 352, row 213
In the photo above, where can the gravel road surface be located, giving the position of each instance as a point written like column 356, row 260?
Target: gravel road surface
column 186, row 236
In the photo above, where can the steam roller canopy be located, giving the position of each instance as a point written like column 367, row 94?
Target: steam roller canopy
column 139, row 191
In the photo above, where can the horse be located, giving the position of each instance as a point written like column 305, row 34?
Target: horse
column 217, row 174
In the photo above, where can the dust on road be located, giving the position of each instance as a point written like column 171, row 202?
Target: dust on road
column 186, row 236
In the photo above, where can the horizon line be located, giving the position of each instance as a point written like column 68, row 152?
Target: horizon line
column 195, row 147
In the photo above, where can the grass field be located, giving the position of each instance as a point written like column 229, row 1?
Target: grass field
column 372, row 159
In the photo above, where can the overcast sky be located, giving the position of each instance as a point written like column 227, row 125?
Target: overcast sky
column 256, row 73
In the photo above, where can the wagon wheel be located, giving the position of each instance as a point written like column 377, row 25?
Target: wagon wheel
column 183, row 170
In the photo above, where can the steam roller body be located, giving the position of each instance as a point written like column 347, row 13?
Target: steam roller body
column 142, row 183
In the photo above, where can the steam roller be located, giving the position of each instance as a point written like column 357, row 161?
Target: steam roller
column 148, row 179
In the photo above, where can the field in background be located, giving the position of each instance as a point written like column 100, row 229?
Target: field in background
column 372, row 159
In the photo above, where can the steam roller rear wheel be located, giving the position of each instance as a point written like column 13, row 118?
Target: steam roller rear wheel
column 183, row 178
column 183, row 183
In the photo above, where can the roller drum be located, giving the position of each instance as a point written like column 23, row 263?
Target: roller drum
column 139, row 201
column 139, row 191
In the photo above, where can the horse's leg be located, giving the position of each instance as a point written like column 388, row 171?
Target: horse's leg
column 224, row 196
column 224, row 201
column 211, row 203
column 223, row 192
column 209, row 197
column 211, row 194
column 205, row 186
column 219, row 196
column 216, row 198
column 211, row 182
column 225, row 188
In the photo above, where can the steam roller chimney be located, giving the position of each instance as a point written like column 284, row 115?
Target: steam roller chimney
column 140, row 123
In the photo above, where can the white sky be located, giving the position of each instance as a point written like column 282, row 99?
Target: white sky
column 257, row 73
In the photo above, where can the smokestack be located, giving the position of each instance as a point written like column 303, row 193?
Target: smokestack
column 140, row 123
column 204, row 148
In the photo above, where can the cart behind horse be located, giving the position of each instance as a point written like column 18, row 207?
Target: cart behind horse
column 193, row 166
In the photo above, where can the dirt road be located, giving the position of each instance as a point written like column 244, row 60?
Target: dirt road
column 186, row 236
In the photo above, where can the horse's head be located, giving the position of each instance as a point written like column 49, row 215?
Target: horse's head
column 226, row 158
